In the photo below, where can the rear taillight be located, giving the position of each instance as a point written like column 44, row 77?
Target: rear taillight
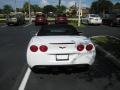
column 80, row 47
column 43, row 48
column 34, row 48
column 89, row 47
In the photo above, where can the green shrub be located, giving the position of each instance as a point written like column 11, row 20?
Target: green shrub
column 75, row 24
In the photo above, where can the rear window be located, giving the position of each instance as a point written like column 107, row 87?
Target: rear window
column 94, row 15
column 57, row 30
column 40, row 15
column 61, row 15
column 12, row 16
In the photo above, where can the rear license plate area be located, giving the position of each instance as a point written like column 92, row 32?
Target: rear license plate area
column 64, row 57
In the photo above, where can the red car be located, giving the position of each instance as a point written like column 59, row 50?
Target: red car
column 41, row 20
column 61, row 19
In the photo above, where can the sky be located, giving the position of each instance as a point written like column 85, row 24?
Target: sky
column 41, row 3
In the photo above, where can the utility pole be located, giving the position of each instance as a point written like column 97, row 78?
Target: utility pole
column 79, row 12
column 15, row 7
column 59, row 3
column 29, row 12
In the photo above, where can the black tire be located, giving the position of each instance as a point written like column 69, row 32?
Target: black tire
column 98, row 24
column 88, row 22
column 36, row 24
column 8, row 24
column 35, row 70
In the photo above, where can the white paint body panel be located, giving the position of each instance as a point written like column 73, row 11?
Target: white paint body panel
column 49, row 57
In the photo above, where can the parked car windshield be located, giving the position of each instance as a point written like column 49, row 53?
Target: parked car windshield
column 61, row 15
column 10, row 16
column 40, row 15
column 94, row 15
column 57, row 30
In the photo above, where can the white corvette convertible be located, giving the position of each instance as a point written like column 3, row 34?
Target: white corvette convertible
column 59, row 45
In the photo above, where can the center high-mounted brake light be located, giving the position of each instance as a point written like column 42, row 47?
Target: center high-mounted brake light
column 80, row 47
column 43, row 48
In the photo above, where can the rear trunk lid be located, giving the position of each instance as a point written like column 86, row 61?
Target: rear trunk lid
column 59, row 44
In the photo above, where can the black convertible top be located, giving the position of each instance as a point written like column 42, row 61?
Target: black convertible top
column 58, row 26
column 57, row 29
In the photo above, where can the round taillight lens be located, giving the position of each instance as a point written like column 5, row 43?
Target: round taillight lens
column 89, row 47
column 80, row 47
column 34, row 48
column 43, row 48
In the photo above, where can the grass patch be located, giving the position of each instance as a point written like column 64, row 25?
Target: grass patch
column 75, row 24
column 100, row 40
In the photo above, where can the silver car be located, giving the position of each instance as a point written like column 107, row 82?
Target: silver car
column 92, row 19
column 16, row 19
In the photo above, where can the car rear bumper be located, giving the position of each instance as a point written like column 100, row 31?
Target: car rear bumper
column 61, row 22
column 11, row 22
column 49, row 60
column 95, row 22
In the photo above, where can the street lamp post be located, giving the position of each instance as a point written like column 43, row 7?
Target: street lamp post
column 59, row 3
column 15, row 7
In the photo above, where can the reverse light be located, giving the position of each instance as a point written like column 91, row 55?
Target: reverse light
column 89, row 47
column 43, row 48
column 34, row 48
column 80, row 47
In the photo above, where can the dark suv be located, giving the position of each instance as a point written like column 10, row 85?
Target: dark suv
column 15, row 19
column 111, row 19
column 61, row 19
column 41, row 19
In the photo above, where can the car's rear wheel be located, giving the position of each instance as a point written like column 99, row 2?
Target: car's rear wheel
column 98, row 24
column 88, row 22
column 36, row 24
column 8, row 24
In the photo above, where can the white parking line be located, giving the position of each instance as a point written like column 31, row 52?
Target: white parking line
column 25, row 79
column 104, row 36
column 114, row 37
column 27, row 25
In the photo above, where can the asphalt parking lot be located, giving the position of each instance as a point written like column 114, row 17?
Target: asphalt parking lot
column 103, row 75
